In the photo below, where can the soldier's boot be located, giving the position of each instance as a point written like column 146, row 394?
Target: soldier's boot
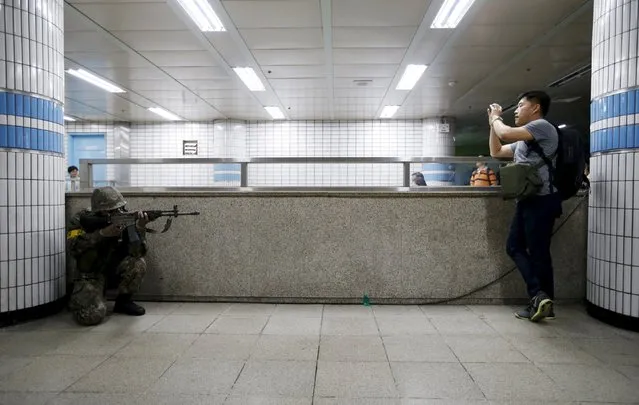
column 125, row 305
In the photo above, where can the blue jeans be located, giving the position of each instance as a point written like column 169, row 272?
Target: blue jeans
column 529, row 242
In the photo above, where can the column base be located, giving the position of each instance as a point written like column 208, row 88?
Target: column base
column 33, row 313
column 613, row 318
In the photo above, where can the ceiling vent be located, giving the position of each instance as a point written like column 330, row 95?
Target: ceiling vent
column 362, row 82
column 577, row 74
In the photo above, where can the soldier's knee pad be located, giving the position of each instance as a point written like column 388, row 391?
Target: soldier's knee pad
column 90, row 315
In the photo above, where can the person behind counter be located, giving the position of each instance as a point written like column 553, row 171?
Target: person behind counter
column 103, row 260
column 483, row 176
column 74, row 177
column 418, row 179
column 531, row 229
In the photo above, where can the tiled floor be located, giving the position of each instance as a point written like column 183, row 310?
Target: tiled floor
column 313, row 354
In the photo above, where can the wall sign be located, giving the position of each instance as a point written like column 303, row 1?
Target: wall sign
column 189, row 148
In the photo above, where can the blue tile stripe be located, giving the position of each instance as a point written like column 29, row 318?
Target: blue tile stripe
column 22, row 105
column 18, row 137
column 620, row 137
column 438, row 167
column 226, row 177
column 227, row 167
column 616, row 105
column 444, row 177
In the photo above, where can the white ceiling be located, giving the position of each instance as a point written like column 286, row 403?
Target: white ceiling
column 310, row 52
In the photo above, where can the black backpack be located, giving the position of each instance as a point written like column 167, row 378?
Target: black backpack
column 567, row 176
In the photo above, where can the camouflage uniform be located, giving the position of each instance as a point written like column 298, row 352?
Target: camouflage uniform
column 102, row 262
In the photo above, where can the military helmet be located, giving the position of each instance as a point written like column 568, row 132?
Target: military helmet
column 106, row 199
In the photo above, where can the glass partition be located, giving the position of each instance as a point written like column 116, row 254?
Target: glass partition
column 415, row 172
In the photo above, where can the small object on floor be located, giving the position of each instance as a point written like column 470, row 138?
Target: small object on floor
column 366, row 301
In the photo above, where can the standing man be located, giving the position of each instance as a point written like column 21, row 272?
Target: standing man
column 531, row 229
column 483, row 176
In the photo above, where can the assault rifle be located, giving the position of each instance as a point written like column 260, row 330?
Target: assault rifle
column 92, row 223
column 127, row 220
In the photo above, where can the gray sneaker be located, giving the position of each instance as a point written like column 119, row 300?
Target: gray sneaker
column 542, row 307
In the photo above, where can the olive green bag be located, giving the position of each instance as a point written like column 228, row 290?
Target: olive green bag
column 520, row 180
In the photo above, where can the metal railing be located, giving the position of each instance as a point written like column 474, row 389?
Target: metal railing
column 87, row 165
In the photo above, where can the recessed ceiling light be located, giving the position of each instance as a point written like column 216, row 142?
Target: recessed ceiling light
column 451, row 13
column 202, row 14
column 562, row 126
column 388, row 111
column 275, row 112
column 70, row 119
column 164, row 114
column 249, row 78
column 95, row 80
column 411, row 76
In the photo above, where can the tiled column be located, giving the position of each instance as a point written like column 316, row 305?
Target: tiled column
column 32, row 265
column 229, row 141
column 613, row 225
column 438, row 141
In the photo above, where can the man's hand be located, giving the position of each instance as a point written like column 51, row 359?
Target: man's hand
column 494, row 112
column 143, row 219
column 111, row 231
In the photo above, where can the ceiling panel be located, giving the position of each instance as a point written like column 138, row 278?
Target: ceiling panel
column 365, row 71
column 374, row 82
column 496, row 12
column 289, row 56
column 124, row 75
column 180, row 58
column 133, row 16
column 370, row 56
column 302, row 84
column 164, row 62
column 281, row 72
column 86, row 41
column 117, row 59
column 302, row 93
column 160, row 40
column 283, row 38
column 197, row 73
column 385, row 37
column 274, row 14
column 209, row 84
column 378, row 13
column 472, row 54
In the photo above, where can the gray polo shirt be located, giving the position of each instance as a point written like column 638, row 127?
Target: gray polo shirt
column 546, row 136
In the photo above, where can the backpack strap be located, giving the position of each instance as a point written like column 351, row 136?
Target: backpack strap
column 545, row 160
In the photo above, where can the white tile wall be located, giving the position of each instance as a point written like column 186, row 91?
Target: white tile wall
column 613, row 223
column 31, row 54
column 615, row 46
column 613, row 233
column 32, row 263
column 397, row 138
column 32, row 229
column 270, row 139
column 112, row 132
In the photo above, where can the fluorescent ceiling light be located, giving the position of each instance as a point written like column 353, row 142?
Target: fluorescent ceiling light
column 389, row 111
column 202, row 14
column 67, row 118
column 410, row 77
column 451, row 13
column 275, row 112
column 249, row 78
column 95, row 80
column 562, row 126
column 164, row 114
